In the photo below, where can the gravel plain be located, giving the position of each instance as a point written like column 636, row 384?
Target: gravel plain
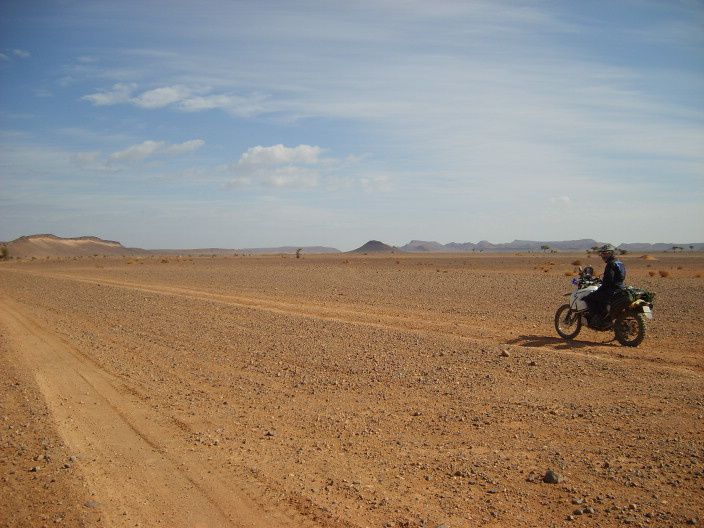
column 344, row 391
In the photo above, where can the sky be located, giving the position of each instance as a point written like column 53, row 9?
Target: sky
column 242, row 123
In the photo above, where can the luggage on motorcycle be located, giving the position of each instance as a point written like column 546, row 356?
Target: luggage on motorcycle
column 622, row 298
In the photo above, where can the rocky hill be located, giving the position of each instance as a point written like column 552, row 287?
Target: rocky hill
column 47, row 245
column 374, row 246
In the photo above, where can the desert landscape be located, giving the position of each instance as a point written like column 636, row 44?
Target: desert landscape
column 344, row 390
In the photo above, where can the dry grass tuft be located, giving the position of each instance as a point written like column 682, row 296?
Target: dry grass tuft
column 577, row 263
column 664, row 273
column 647, row 257
column 651, row 273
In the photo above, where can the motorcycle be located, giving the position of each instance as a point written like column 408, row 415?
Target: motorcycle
column 627, row 311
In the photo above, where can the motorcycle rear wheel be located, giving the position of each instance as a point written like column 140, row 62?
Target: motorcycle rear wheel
column 567, row 322
column 630, row 329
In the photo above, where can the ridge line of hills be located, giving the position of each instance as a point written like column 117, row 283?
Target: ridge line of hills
column 47, row 245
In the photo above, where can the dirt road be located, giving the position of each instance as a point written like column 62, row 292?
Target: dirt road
column 340, row 391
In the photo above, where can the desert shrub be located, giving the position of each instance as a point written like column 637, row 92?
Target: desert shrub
column 568, row 274
column 664, row 273
column 4, row 253
column 651, row 273
column 679, row 267
column 164, row 261
column 698, row 276
column 577, row 263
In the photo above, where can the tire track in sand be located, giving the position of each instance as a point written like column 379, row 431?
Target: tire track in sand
column 373, row 317
column 132, row 460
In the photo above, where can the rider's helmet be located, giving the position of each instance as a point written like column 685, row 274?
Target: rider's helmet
column 607, row 251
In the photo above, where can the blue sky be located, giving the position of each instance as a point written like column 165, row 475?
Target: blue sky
column 243, row 123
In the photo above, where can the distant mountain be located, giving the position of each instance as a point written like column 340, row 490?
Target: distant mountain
column 485, row 245
column 582, row 244
column 47, row 245
column 421, row 246
column 459, row 248
column 644, row 246
column 374, row 246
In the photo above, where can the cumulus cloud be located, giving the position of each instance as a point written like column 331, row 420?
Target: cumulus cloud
column 292, row 177
column 302, row 166
column 280, row 166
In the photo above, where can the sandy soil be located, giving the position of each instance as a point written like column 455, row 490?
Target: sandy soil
column 343, row 391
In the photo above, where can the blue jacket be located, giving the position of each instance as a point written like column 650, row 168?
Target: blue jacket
column 614, row 275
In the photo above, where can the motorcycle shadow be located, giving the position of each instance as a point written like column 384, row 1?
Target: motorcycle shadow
column 556, row 342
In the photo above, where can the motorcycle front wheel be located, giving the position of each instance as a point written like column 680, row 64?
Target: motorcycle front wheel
column 567, row 322
column 630, row 329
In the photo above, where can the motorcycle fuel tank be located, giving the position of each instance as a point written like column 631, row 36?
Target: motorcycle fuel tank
column 577, row 301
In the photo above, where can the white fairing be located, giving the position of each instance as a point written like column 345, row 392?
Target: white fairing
column 577, row 298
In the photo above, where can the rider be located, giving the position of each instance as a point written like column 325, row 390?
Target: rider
column 611, row 281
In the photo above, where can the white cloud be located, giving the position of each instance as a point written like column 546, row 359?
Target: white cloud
column 279, row 154
column 185, row 147
column 292, row 177
column 4, row 57
column 120, row 93
column 184, row 98
column 95, row 160
column 301, row 166
column 137, row 152
column 161, row 97
column 21, row 54
column 197, row 103
column 235, row 105
column 280, row 166
column 150, row 148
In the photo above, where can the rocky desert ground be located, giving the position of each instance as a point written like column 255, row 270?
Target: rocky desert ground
column 344, row 391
